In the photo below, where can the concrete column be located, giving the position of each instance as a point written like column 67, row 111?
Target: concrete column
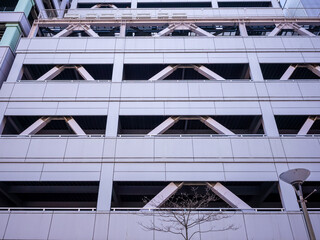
column 105, row 187
column 24, row 6
column 16, row 69
column 11, row 36
column 134, row 4
column 117, row 72
column 286, row 191
column 268, row 120
column 255, row 70
column 74, row 4
column 3, row 106
column 214, row 3
column 112, row 119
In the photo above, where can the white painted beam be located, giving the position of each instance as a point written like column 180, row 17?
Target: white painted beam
column 276, row 30
column 36, row 126
column 207, row 73
column 89, row 30
column 194, row 28
column 164, row 126
column 63, row 6
column 163, row 196
column 65, row 32
column 41, row 8
column 287, row 74
column 300, row 30
column 215, row 126
column 307, row 126
column 243, row 29
column 84, row 73
column 314, row 69
column 164, row 73
column 167, row 30
column 226, row 195
column 122, row 30
column 52, row 73
column 74, row 126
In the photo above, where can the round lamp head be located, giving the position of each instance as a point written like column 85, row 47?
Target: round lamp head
column 293, row 176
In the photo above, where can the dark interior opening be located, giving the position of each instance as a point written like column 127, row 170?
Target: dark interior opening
column 8, row 5
column 244, row 4
column 118, row 5
column 292, row 124
column 49, row 194
column 174, row 5
column 89, row 124
column 97, row 71
column 145, row 124
column 255, row 194
column 146, row 71
column 276, row 70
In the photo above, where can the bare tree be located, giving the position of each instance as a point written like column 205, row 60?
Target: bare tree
column 181, row 214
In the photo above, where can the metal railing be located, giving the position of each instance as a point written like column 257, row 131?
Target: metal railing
column 177, row 13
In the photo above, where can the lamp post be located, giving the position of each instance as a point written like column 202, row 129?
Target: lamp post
column 296, row 177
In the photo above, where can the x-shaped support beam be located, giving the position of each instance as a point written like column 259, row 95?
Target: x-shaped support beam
column 55, row 71
column 183, row 26
column 297, row 28
column 76, row 27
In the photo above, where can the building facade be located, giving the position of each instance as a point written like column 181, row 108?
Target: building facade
column 109, row 102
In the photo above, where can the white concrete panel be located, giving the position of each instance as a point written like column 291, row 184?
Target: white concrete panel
column 63, row 90
column 251, row 176
column 199, row 43
column 212, row 148
column 20, row 176
column 83, row 105
column 90, row 58
column 6, row 90
column 268, row 226
column 140, row 167
column 205, row 90
column 251, row 148
column 3, row 223
column 28, row 90
column 228, row 43
column 224, row 221
column 109, row 148
column 195, row 176
column 21, row 167
column 276, row 148
column 311, row 89
column 140, row 90
column 239, row 90
column 72, row 226
column 70, row 176
column 168, row 43
column 93, row 90
column 72, row 44
column 227, row 57
column 315, row 220
column 283, row 89
column 139, row 176
column 101, row 226
column 13, row 148
column 84, row 148
column 100, row 45
column 297, row 225
column 134, row 148
column 171, row 90
column 28, row 226
column 173, row 148
column 43, row 44
column 268, row 43
column 302, row 43
column 72, row 167
column 140, row 44
column 124, row 226
column 249, row 167
column 47, row 148
column 197, row 167
column 300, row 148
column 185, row 58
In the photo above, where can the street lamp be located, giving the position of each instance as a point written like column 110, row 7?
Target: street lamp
column 296, row 177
